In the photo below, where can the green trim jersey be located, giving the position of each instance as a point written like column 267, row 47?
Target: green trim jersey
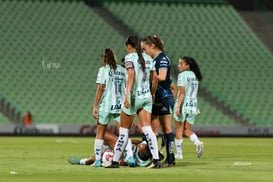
column 141, row 88
column 188, row 80
column 114, row 88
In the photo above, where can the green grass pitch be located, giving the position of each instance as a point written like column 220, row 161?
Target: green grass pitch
column 44, row 159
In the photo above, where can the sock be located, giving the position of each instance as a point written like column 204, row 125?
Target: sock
column 143, row 137
column 178, row 145
column 97, row 148
column 152, row 142
column 121, row 143
column 129, row 151
column 83, row 161
column 195, row 139
column 170, row 148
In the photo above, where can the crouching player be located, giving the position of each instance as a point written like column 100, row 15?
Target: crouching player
column 142, row 154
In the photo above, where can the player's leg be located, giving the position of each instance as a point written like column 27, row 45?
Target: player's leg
column 102, row 122
column 179, row 127
column 129, row 148
column 155, row 124
column 84, row 161
column 110, row 139
column 194, row 138
column 99, row 143
column 126, row 122
column 165, row 121
column 145, row 121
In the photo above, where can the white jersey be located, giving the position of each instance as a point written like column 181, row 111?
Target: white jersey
column 114, row 88
column 188, row 80
column 141, row 87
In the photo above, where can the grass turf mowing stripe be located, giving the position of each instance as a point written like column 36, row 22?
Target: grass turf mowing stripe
column 44, row 159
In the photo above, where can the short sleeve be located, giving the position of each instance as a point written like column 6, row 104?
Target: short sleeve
column 181, row 79
column 129, row 64
column 164, row 63
column 100, row 76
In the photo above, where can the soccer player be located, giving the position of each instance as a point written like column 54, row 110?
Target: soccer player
column 186, row 104
column 142, row 154
column 137, row 100
column 110, row 92
column 156, row 123
column 163, row 96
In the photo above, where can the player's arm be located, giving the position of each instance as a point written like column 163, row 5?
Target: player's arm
column 161, row 76
column 129, row 86
column 99, row 93
column 174, row 89
column 180, row 98
column 154, row 83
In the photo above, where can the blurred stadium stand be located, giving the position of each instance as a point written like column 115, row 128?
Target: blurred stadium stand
column 50, row 55
column 221, row 41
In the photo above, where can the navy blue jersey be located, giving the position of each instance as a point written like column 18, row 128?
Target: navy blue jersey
column 164, row 87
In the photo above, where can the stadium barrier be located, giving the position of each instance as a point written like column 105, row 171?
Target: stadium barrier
column 90, row 130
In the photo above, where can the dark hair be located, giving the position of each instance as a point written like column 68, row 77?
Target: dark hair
column 135, row 43
column 156, row 40
column 109, row 57
column 146, row 154
column 122, row 62
column 193, row 66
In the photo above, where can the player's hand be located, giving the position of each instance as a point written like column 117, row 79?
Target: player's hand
column 95, row 113
column 126, row 102
column 178, row 112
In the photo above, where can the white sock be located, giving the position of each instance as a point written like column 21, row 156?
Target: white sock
column 178, row 144
column 195, row 139
column 129, row 151
column 121, row 143
column 83, row 161
column 152, row 142
column 97, row 148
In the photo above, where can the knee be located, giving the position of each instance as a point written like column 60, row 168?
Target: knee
column 187, row 132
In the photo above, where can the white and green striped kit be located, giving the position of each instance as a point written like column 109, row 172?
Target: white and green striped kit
column 114, row 88
column 190, row 82
column 141, row 87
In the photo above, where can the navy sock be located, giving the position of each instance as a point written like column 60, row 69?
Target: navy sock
column 170, row 148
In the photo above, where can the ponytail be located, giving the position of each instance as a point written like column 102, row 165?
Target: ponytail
column 193, row 66
column 135, row 43
column 156, row 40
column 109, row 57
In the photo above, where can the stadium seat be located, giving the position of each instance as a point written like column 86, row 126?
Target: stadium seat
column 235, row 64
column 226, row 48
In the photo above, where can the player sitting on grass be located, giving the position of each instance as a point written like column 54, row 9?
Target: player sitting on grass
column 142, row 154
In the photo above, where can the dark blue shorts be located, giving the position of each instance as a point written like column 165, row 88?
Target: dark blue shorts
column 163, row 106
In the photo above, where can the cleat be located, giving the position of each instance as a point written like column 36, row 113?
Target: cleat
column 161, row 156
column 178, row 156
column 166, row 164
column 155, row 164
column 93, row 164
column 161, row 150
column 98, row 163
column 106, row 164
column 114, row 165
column 199, row 150
column 131, row 162
column 74, row 161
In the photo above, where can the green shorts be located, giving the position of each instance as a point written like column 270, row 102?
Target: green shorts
column 138, row 103
column 106, row 117
column 189, row 117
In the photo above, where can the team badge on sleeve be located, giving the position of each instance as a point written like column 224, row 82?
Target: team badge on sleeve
column 129, row 65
